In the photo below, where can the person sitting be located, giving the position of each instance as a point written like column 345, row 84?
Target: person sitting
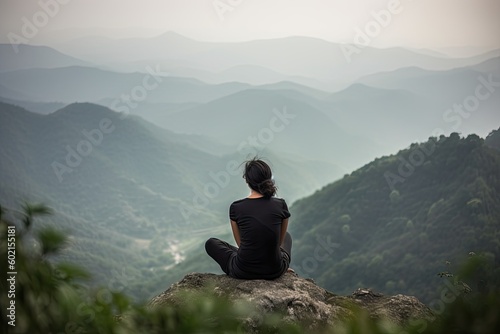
column 259, row 223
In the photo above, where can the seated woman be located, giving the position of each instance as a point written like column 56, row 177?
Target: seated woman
column 259, row 223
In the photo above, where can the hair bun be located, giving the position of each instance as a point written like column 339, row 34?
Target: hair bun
column 267, row 188
column 258, row 176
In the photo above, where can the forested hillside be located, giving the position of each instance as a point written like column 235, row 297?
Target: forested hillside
column 134, row 198
column 393, row 224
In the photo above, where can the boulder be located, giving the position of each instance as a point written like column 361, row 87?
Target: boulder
column 298, row 300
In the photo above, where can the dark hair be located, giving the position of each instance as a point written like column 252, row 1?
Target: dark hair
column 259, row 177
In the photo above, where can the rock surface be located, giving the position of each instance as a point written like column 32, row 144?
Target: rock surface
column 298, row 299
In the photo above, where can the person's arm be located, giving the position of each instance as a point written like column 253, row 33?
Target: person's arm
column 236, row 232
column 284, row 226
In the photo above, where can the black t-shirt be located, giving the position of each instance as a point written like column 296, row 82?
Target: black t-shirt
column 259, row 221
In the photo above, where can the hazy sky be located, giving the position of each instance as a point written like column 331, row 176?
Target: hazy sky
column 414, row 23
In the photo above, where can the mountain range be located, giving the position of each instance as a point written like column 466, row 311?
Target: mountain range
column 30, row 56
column 309, row 59
column 375, row 115
column 120, row 184
column 137, row 144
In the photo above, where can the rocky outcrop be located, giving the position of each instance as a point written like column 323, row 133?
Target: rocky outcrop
column 299, row 300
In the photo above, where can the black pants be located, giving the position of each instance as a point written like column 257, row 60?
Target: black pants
column 222, row 252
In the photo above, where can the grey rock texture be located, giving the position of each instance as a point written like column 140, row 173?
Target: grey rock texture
column 298, row 299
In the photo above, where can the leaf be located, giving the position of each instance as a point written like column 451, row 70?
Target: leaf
column 32, row 210
column 36, row 209
column 69, row 272
column 2, row 211
column 51, row 240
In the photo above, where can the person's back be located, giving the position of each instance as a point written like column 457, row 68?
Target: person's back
column 259, row 223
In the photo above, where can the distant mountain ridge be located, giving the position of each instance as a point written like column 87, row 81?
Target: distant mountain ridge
column 305, row 57
column 37, row 107
column 461, row 99
column 90, row 84
column 30, row 56
column 390, row 108
column 279, row 122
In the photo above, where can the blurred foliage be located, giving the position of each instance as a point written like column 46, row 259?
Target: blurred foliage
column 53, row 298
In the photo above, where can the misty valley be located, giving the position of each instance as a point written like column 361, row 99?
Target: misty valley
column 390, row 163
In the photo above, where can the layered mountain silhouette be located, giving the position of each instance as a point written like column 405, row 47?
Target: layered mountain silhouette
column 90, row 84
column 122, row 185
column 33, row 56
column 137, row 144
column 309, row 59
column 388, row 110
